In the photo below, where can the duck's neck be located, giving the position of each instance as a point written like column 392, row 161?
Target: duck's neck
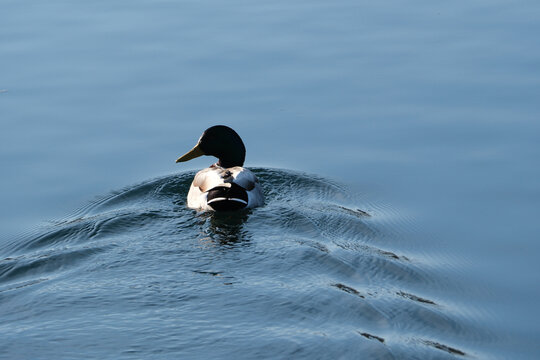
column 232, row 158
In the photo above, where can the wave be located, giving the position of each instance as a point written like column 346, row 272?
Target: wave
column 313, row 272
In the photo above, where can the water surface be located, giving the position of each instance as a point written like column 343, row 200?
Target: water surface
column 313, row 274
column 422, row 114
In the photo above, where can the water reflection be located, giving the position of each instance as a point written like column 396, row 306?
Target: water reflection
column 225, row 228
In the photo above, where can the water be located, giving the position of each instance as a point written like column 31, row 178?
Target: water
column 138, row 274
column 397, row 145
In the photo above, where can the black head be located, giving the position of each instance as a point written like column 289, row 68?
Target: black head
column 222, row 142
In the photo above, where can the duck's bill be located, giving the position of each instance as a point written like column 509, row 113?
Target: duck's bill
column 191, row 154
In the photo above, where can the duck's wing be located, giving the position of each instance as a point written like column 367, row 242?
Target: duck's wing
column 196, row 199
column 247, row 180
column 209, row 178
column 203, row 181
column 243, row 177
column 217, row 176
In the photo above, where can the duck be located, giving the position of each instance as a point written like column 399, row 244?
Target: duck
column 225, row 185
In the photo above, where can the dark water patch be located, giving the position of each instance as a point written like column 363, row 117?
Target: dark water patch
column 349, row 290
column 415, row 298
column 443, row 347
column 392, row 255
column 213, row 273
column 354, row 212
column 370, row 336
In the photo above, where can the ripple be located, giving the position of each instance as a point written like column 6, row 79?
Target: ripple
column 316, row 265
column 41, row 263
column 370, row 336
column 415, row 298
column 443, row 347
column 348, row 290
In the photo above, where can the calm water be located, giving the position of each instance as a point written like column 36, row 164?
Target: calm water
column 397, row 145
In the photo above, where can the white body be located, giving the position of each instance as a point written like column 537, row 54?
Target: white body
column 214, row 176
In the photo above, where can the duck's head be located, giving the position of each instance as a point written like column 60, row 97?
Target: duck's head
column 219, row 141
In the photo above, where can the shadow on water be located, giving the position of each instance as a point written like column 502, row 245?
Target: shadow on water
column 305, row 275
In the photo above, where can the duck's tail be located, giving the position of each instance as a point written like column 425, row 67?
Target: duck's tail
column 223, row 198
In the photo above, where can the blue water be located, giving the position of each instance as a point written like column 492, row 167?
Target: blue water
column 397, row 145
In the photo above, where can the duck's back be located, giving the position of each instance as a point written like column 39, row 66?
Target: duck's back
column 217, row 188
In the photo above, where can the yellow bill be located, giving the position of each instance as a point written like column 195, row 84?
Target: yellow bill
column 191, row 154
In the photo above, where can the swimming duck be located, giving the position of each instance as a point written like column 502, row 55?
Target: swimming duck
column 225, row 185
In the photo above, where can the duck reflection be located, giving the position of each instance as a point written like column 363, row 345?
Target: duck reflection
column 225, row 228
